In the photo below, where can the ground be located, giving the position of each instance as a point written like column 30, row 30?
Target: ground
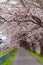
column 23, row 58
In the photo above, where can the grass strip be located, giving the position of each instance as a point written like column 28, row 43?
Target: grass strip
column 36, row 55
column 5, row 51
column 10, row 58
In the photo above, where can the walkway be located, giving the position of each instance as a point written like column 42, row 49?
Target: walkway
column 23, row 58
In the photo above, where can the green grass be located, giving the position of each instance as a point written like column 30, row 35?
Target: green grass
column 10, row 58
column 36, row 55
column 5, row 51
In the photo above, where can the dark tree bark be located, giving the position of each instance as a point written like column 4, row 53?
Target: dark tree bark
column 41, row 51
column 41, row 47
column 33, row 47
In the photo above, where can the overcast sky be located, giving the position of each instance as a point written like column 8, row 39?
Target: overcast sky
column 2, row 0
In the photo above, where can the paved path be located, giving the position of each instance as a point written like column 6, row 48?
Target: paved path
column 23, row 58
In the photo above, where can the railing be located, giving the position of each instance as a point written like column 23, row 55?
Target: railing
column 5, row 56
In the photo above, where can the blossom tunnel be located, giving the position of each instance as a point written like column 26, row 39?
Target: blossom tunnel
column 21, row 24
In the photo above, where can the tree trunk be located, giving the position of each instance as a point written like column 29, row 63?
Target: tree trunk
column 41, row 51
column 33, row 47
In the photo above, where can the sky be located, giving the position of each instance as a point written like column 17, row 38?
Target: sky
column 2, row 0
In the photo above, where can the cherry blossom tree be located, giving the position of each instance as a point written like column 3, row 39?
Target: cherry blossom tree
column 22, row 24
